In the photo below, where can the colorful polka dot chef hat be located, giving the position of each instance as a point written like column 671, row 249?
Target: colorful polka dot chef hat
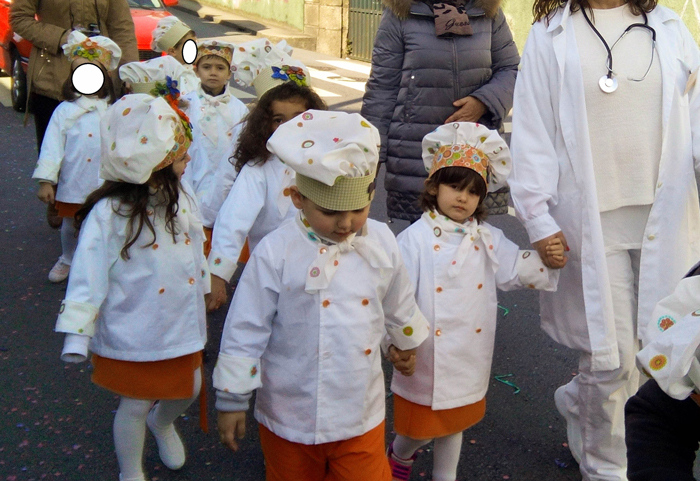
column 168, row 33
column 141, row 134
column 265, row 66
column 143, row 76
column 98, row 49
column 218, row 48
column 334, row 155
column 470, row 145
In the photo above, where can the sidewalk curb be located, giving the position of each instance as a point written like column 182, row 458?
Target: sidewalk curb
column 273, row 33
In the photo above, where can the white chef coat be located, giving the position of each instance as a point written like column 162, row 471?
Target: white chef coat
column 215, row 127
column 70, row 151
column 149, row 307
column 453, row 365
column 257, row 204
column 314, row 357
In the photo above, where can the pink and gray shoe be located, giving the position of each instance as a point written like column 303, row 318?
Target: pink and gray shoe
column 400, row 468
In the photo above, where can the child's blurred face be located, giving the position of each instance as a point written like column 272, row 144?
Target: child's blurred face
column 214, row 72
column 180, row 164
column 285, row 110
column 176, row 51
column 455, row 203
column 332, row 224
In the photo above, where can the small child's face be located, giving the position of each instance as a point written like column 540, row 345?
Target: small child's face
column 455, row 203
column 176, row 51
column 180, row 164
column 285, row 110
column 214, row 72
column 332, row 224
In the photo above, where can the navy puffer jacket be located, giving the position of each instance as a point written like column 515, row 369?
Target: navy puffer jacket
column 416, row 77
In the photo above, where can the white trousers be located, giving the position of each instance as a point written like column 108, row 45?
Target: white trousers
column 596, row 400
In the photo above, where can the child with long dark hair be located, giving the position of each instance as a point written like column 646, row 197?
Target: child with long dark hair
column 259, row 199
column 69, row 162
column 137, row 292
column 456, row 262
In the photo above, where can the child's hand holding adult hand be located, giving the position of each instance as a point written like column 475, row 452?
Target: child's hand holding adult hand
column 403, row 361
column 46, row 193
column 555, row 253
column 541, row 247
column 231, row 427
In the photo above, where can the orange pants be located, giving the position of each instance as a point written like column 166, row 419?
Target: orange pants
column 245, row 252
column 361, row 458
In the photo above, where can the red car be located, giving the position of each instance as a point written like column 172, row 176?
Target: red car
column 14, row 54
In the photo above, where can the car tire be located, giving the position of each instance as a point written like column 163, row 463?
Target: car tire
column 18, row 88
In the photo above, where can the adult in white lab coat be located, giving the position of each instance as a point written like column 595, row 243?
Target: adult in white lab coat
column 613, row 174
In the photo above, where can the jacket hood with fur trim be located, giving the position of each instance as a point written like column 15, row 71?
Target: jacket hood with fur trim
column 402, row 8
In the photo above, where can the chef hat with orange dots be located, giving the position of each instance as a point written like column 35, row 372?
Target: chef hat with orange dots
column 334, row 154
column 141, row 134
column 470, row 145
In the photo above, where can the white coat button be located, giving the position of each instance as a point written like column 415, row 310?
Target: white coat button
column 325, row 355
column 651, row 237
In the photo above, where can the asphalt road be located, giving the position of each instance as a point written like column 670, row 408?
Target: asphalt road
column 54, row 424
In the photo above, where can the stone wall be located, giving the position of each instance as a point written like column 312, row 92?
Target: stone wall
column 327, row 20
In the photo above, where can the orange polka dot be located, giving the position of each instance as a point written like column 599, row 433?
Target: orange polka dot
column 476, row 248
column 368, row 352
column 326, row 303
column 439, row 289
column 191, row 280
column 155, row 246
column 436, row 247
column 541, row 269
column 454, row 263
column 187, row 242
column 286, row 192
column 161, row 291
column 491, row 247
column 438, row 333
column 89, row 160
column 335, row 263
column 478, row 330
column 479, row 286
column 89, row 135
column 531, row 286
column 365, row 302
column 311, row 161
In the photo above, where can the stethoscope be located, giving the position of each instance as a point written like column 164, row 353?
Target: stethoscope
column 608, row 82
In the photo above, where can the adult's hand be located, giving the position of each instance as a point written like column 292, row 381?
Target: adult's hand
column 541, row 247
column 469, row 109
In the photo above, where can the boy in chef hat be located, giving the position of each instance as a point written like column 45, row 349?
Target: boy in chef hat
column 311, row 309
column 662, row 421
column 216, row 115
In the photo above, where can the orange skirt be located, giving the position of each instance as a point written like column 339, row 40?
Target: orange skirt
column 422, row 422
column 167, row 379
column 65, row 209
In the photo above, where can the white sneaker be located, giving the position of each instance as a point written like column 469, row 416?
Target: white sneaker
column 170, row 447
column 59, row 272
column 573, row 428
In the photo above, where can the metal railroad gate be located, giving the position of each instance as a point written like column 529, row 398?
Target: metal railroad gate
column 363, row 23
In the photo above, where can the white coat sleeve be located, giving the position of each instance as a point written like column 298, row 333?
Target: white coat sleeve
column 248, row 324
column 52, row 149
column 98, row 249
column 521, row 268
column 235, row 219
column 405, row 324
column 535, row 175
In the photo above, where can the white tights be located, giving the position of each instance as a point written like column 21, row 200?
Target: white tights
column 68, row 240
column 445, row 453
column 130, row 427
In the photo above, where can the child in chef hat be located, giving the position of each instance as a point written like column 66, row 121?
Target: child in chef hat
column 178, row 40
column 136, row 294
column 456, row 261
column 311, row 309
